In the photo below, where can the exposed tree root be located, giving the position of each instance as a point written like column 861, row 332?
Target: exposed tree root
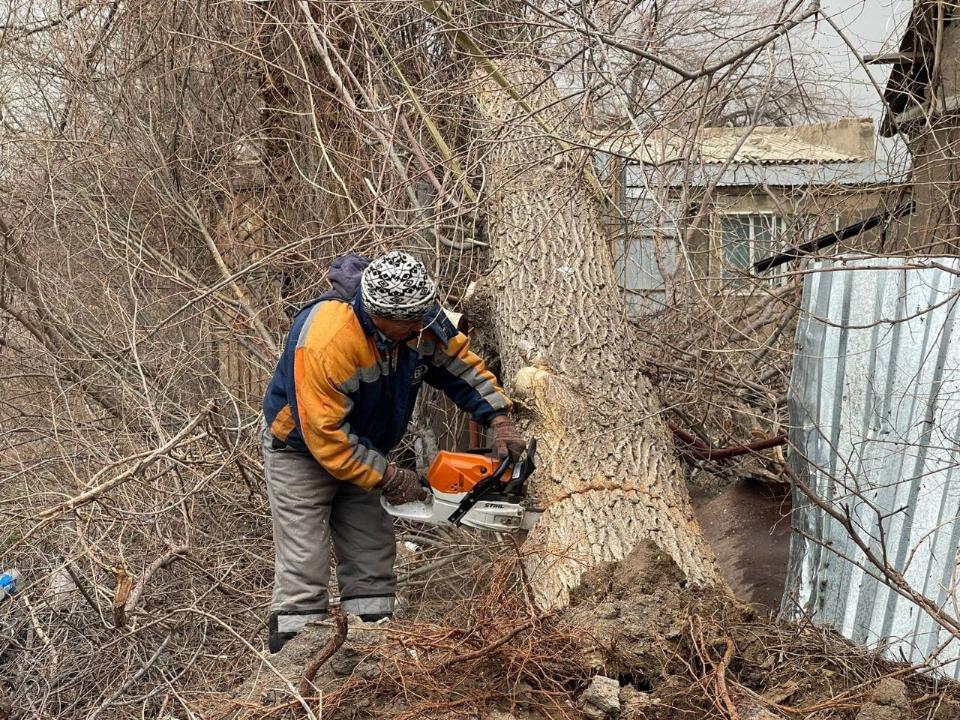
column 333, row 644
column 673, row 650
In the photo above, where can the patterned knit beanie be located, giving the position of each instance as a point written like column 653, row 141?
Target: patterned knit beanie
column 397, row 286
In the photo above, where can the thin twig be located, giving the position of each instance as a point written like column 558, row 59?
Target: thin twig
column 131, row 680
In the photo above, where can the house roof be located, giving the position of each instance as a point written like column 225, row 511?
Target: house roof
column 910, row 75
column 786, row 175
column 850, row 140
column 790, row 145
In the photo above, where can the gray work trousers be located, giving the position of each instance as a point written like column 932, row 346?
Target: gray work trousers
column 308, row 507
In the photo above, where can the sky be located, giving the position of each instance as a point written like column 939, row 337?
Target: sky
column 872, row 27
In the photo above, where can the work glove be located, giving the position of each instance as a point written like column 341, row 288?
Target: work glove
column 507, row 440
column 401, row 486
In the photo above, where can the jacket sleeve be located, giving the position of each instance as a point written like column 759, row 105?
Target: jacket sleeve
column 323, row 408
column 462, row 376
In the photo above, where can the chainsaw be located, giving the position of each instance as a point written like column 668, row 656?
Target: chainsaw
column 470, row 488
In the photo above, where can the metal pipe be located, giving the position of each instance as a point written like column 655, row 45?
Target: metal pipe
column 832, row 238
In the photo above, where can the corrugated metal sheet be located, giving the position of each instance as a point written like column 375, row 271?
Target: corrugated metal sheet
column 800, row 175
column 768, row 145
column 875, row 413
column 845, row 141
column 841, row 174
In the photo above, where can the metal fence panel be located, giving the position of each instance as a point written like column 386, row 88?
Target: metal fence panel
column 874, row 406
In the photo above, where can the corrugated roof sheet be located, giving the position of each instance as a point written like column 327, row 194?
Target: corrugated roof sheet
column 771, row 145
column 799, row 175
column 843, row 141
column 875, row 415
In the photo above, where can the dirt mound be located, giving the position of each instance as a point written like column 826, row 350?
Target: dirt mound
column 636, row 643
column 690, row 652
column 638, row 615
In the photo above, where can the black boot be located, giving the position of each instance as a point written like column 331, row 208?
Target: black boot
column 277, row 638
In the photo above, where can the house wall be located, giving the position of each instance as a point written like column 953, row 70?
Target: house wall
column 657, row 211
column 808, row 215
column 948, row 69
column 695, row 264
column 934, row 227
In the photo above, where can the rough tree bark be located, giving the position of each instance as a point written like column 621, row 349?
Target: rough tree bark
column 608, row 476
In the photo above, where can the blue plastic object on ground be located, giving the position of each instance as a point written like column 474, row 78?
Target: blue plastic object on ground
column 8, row 583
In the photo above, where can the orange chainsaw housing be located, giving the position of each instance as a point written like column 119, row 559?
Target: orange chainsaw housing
column 458, row 472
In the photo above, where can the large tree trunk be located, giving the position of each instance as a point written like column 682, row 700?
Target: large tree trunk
column 608, row 475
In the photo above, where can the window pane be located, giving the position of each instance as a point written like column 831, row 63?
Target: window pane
column 735, row 248
column 767, row 243
column 745, row 239
column 763, row 235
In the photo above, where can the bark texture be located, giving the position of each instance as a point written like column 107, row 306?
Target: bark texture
column 608, row 476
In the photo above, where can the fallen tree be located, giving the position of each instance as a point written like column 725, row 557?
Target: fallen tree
column 609, row 476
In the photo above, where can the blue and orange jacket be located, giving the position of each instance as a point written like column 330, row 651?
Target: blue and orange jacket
column 345, row 393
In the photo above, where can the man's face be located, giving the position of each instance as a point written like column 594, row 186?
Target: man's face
column 397, row 330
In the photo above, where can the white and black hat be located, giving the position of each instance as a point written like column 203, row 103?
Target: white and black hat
column 397, row 286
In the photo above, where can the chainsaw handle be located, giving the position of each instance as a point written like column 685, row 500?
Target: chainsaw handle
column 501, row 469
column 479, row 490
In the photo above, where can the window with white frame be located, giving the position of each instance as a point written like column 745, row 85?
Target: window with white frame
column 744, row 239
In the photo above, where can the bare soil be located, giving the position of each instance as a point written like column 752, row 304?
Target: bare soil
column 674, row 651
column 748, row 526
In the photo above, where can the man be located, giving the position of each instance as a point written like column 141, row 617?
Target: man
column 339, row 401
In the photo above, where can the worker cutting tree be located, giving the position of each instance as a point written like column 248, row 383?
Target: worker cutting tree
column 338, row 403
